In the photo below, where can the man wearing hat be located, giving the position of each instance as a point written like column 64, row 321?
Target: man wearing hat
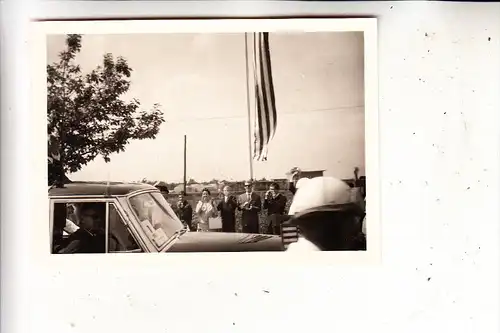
column 250, row 204
column 326, row 216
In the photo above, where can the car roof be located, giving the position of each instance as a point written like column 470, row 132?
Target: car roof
column 99, row 189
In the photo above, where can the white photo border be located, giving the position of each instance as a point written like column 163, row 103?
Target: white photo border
column 38, row 155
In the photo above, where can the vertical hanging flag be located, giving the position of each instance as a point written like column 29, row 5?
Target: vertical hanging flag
column 265, row 116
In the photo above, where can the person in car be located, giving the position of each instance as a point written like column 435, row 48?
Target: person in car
column 91, row 236
column 326, row 216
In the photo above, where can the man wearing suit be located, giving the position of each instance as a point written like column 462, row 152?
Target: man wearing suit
column 275, row 203
column 250, row 204
column 185, row 212
column 227, row 206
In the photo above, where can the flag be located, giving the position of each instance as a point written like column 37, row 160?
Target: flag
column 289, row 234
column 265, row 116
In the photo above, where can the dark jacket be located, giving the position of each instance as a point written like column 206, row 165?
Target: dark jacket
column 185, row 212
column 228, row 216
column 250, row 214
column 83, row 241
column 275, row 205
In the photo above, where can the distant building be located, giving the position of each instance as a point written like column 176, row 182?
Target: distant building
column 196, row 188
column 312, row 173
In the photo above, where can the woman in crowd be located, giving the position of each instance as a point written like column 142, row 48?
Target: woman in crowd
column 205, row 210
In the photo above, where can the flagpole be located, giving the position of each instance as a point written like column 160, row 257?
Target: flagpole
column 248, row 108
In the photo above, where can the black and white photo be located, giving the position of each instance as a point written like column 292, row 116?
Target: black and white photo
column 210, row 141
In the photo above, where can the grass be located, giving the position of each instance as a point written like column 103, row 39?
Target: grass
column 193, row 199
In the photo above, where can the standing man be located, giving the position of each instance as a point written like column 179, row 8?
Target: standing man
column 250, row 204
column 227, row 206
column 275, row 204
column 185, row 211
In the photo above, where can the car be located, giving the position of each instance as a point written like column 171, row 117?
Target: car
column 138, row 219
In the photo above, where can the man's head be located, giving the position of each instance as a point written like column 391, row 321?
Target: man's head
column 248, row 186
column 226, row 190
column 91, row 215
column 325, row 214
column 274, row 188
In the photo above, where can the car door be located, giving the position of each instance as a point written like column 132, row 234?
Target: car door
column 118, row 237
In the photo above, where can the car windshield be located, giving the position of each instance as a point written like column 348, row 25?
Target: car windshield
column 156, row 217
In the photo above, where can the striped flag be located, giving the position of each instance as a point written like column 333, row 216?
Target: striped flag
column 265, row 116
column 289, row 234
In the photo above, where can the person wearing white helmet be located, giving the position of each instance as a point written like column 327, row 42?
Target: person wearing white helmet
column 326, row 216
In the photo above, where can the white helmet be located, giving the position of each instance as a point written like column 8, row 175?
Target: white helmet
column 321, row 194
column 301, row 182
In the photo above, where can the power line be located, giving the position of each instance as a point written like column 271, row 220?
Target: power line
column 280, row 113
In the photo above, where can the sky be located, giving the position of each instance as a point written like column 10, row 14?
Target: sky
column 200, row 82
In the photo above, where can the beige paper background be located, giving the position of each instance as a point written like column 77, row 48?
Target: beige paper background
column 438, row 198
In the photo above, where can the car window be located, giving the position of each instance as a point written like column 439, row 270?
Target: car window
column 157, row 219
column 78, row 227
column 120, row 239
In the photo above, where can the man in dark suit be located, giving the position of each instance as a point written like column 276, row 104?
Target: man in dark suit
column 250, row 204
column 227, row 206
column 275, row 203
column 185, row 211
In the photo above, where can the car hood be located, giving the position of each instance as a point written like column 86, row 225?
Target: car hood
column 226, row 242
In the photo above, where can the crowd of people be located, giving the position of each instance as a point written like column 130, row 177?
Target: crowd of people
column 225, row 207
column 323, row 209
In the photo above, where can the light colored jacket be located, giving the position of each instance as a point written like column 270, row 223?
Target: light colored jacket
column 205, row 211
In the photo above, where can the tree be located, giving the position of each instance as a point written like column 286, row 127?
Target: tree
column 86, row 113
column 191, row 181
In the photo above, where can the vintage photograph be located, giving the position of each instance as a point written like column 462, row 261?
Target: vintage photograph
column 207, row 142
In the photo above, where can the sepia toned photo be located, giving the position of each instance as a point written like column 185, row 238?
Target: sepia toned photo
column 234, row 141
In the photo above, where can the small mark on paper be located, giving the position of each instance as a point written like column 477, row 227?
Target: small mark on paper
column 72, row 324
column 428, row 279
column 266, row 291
column 489, row 39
